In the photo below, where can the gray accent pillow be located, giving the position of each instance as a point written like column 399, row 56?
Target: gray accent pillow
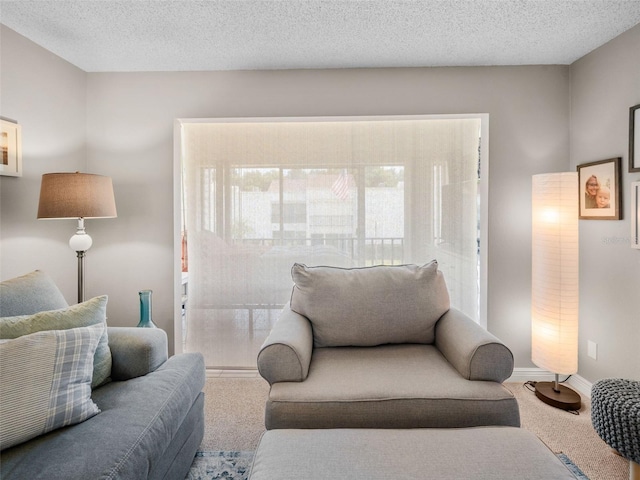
column 29, row 294
column 372, row 305
column 84, row 314
column 46, row 382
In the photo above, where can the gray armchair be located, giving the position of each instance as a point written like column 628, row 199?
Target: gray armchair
column 380, row 347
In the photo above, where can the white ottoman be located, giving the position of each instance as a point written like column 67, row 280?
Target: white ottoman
column 491, row 453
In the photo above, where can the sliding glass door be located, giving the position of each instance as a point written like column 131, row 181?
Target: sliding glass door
column 261, row 196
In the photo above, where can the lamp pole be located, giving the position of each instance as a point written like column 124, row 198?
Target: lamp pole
column 80, row 255
column 80, row 242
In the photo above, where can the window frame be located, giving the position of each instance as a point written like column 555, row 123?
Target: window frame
column 177, row 195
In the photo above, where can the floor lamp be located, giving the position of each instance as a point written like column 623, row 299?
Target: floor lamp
column 555, row 294
column 77, row 195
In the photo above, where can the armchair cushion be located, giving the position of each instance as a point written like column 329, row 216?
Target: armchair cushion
column 389, row 386
column 372, row 305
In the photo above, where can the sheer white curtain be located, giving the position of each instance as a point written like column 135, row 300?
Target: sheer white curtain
column 261, row 195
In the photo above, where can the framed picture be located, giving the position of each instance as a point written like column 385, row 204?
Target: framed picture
column 599, row 190
column 634, row 138
column 635, row 215
column 10, row 149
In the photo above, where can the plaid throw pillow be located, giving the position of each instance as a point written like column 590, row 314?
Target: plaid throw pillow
column 91, row 312
column 46, row 382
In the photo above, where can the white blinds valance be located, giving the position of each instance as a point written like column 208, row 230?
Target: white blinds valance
column 319, row 143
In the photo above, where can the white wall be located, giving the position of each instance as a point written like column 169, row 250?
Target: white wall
column 604, row 84
column 47, row 96
column 129, row 126
column 129, row 136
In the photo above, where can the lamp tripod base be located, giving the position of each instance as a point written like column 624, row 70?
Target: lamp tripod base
column 558, row 395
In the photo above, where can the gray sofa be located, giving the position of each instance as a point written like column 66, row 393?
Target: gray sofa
column 151, row 419
column 380, row 347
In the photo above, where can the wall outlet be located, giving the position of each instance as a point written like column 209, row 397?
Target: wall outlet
column 592, row 349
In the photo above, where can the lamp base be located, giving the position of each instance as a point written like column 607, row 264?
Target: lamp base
column 563, row 398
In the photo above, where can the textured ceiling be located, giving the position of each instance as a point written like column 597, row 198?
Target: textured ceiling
column 188, row 35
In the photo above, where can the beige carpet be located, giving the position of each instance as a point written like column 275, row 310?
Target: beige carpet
column 573, row 435
column 234, row 415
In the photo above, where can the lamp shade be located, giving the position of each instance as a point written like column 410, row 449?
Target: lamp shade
column 76, row 195
column 555, row 257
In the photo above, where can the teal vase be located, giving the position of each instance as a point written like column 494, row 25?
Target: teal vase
column 145, row 310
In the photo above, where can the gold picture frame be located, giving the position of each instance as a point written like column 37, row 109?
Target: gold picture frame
column 10, row 148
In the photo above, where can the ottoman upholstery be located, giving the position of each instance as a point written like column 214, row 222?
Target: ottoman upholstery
column 491, row 453
column 615, row 414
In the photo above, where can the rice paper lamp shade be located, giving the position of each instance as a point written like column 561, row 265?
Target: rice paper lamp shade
column 555, row 264
column 76, row 195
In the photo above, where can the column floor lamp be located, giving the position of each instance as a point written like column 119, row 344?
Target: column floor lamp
column 555, row 294
column 80, row 196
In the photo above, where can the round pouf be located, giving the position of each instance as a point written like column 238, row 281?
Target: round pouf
column 615, row 414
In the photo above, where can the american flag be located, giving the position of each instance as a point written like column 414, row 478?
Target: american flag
column 340, row 187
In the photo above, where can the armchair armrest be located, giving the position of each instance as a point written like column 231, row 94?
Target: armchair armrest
column 136, row 351
column 286, row 353
column 474, row 352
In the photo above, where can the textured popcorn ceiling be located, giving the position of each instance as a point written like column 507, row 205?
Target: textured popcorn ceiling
column 186, row 35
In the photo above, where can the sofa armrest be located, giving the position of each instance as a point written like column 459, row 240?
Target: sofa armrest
column 286, row 353
column 474, row 352
column 136, row 351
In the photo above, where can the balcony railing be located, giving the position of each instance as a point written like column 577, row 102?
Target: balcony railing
column 368, row 251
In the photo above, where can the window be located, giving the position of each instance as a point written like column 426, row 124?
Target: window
column 262, row 195
column 292, row 212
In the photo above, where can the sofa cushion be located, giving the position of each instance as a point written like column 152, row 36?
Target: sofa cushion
column 372, row 305
column 46, row 382
column 28, row 294
column 130, row 437
column 389, row 386
column 84, row 314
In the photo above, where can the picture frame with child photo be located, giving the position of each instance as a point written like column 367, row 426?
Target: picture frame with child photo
column 599, row 189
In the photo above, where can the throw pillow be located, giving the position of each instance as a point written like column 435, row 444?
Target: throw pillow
column 84, row 314
column 370, row 306
column 29, row 294
column 46, row 382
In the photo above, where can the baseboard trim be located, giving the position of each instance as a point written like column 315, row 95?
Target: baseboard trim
column 236, row 373
column 581, row 385
column 522, row 375
column 519, row 375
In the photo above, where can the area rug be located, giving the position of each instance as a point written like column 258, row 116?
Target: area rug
column 572, row 466
column 217, row 465
column 236, row 465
